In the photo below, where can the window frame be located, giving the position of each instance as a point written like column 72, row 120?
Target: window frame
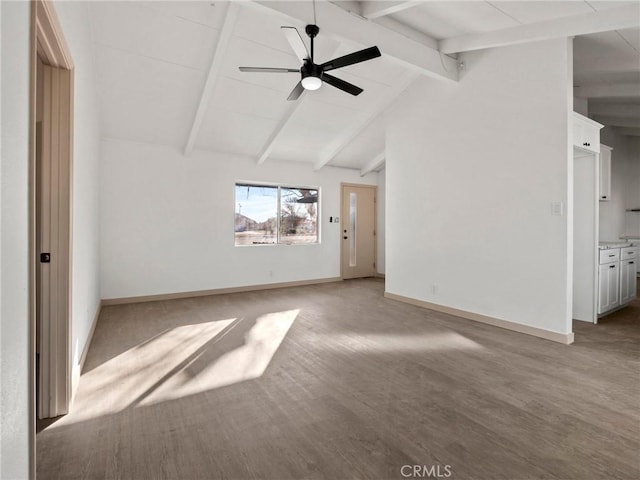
column 279, row 187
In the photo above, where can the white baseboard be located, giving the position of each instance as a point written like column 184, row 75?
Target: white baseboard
column 76, row 370
column 217, row 291
column 566, row 339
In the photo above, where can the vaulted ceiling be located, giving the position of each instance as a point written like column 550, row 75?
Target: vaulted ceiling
column 168, row 71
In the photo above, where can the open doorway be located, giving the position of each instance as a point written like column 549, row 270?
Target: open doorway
column 585, row 235
column 50, row 213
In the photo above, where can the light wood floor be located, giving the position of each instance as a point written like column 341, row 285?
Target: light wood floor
column 359, row 386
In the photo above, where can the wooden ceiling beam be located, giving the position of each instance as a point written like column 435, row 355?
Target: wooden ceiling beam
column 608, row 91
column 374, row 164
column 371, row 9
column 226, row 32
column 277, row 132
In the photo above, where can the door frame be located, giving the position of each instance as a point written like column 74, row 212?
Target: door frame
column 375, row 224
column 48, row 43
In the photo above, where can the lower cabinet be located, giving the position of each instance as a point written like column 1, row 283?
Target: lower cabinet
column 617, row 281
column 608, row 282
column 628, row 281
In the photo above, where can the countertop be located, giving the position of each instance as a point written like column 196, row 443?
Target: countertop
column 605, row 245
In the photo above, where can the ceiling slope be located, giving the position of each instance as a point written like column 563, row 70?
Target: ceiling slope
column 168, row 71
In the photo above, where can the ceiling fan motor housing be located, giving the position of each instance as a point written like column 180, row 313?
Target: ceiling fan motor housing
column 310, row 69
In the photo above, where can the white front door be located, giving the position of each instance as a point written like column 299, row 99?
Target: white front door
column 357, row 229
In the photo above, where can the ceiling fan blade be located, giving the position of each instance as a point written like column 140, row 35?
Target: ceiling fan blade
column 296, row 92
column 341, row 84
column 268, row 69
column 350, row 59
column 295, row 40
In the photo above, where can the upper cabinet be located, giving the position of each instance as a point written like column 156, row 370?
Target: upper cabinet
column 586, row 133
column 605, row 173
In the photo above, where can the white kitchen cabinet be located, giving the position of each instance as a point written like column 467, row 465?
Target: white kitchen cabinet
column 629, row 253
column 608, row 283
column 628, row 281
column 605, row 173
column 586, row 133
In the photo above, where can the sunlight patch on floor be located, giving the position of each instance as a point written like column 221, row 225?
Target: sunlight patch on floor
column 242, row 355
column 181, row 361
column 406, row 343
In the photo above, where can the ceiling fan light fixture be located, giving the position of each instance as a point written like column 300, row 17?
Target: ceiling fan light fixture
column 313, row 75
column 311, row 83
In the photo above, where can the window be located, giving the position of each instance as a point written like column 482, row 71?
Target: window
column 268, row 214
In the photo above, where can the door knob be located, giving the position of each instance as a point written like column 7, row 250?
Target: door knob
column 344, row 237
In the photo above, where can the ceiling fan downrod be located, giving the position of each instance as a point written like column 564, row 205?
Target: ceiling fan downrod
column 312, row 31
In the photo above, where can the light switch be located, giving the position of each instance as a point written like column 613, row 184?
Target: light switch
column 556, row 209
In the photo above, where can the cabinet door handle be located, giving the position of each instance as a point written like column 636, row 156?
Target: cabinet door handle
column 612, row 255
column 612, row 266
column 630, row 263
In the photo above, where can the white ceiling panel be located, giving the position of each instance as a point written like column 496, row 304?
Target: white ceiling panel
column 144, row 99
column 226, row 131
column 206, row 13
column 324, row 116
column 138, row 28
column 450, row 19
column 248, row 99
column 615, row 101
column 301, row 144
column 605, row 53
column 607, row 78
column 540, row 11
column 377, row 128
column 358, row 153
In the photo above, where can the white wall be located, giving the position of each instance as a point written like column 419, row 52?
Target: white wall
column 625, row 187
column 167, row 222
column 14, row 242
column 14, row 378
column 74, row 19
column 380, row 222
column 581, row 105
column 471, row 172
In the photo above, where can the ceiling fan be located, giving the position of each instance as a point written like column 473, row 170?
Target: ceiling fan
column 313, row 75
